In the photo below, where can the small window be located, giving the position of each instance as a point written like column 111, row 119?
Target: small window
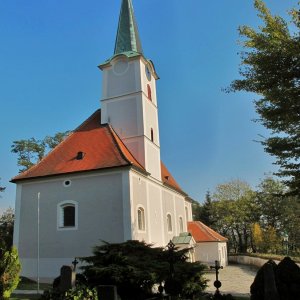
column 141, row 219
column 180, row 224
column 67, row 215
column 152, row 135
column 149, row 92
column 169, row 223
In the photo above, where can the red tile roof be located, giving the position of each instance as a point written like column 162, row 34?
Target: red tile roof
column 203, row 233
column 102, row 149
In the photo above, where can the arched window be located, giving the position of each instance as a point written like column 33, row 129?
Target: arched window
column 169, row 223
column 67, row 215
column 141, row 219
column 180, row 224
column 149, row 92
column 152, row 135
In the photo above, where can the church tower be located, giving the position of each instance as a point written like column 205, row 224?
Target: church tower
column 129, row 101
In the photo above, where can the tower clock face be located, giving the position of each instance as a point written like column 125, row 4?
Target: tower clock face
column 120, row 67
column 148, row 73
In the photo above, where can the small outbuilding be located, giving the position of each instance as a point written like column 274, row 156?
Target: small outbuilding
column 185, row 240
column 210, row 245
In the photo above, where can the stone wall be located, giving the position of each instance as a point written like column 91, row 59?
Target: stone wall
column 249, row 260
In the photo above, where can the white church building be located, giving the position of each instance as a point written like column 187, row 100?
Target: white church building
column 106, row 180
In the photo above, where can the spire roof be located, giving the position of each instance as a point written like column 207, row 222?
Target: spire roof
column 127, row 35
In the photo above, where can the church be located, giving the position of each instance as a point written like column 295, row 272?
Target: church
column 106, row 180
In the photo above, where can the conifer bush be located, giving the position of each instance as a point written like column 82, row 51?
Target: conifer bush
column 10, row 268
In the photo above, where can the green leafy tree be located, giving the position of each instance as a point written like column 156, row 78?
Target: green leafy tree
column 235, row 212
column 271, row 201
column 135, row 267
column 6, row 229
column 31, row 151
column 9, row 272
column 271, row 68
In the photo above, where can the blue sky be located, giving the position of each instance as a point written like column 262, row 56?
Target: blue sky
column 49, row 81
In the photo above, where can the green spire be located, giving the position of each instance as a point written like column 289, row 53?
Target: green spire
column 127, row 36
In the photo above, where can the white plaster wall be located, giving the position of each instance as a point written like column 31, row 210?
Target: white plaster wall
column 209, row 252
column 158, row 201
column 101, row 211
column 153, row 165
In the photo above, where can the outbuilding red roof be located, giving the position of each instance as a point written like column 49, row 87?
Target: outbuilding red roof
column 101, row 148
column 203, row 233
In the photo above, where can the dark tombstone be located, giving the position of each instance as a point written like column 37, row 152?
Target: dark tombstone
column 288, row 274
column 107, row 292
column 270, row 288
column 265, row 283
column 67, row 278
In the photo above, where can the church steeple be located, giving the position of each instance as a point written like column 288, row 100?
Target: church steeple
column 127, row 35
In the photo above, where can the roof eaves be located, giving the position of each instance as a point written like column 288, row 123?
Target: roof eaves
column 68, row 173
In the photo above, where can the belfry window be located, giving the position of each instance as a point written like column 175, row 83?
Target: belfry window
column 169, row 223
column 141, row 219
column 67, row 215
column 149, row 92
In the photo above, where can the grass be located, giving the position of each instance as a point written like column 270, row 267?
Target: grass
column 28, row 284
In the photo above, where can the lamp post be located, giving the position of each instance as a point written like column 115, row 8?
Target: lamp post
column 286, row 243
column 217, row 282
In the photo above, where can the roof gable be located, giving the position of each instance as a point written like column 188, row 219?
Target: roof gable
column 102, row 148
column 203, row 233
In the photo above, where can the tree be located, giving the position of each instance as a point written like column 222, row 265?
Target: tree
column 31, row 151
column 271, row 69
column 135, row 267
column 6, row 229
column 235, row 212
column 9, row 272
column 205, row 213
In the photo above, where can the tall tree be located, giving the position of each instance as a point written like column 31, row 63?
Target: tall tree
column 205, row 213
column 6, row 229
column 31, row 151
column 235, row 212
column 271, row 69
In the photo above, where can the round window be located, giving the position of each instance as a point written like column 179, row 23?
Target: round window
column 67, row 183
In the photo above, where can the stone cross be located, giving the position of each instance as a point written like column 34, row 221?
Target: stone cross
column 217, row 282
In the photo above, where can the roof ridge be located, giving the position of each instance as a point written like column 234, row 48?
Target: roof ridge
column 114, row 135
column 209, row 230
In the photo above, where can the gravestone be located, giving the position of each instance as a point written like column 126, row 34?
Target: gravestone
column 274, row 282
column 67, row 278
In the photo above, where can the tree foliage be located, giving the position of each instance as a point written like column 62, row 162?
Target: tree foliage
column 234, row 212
column 9, row 272
column 258, row 220
column 271, row 69
column 32, row 150
column 135, row 267
column 205, row 211
column 6, row 229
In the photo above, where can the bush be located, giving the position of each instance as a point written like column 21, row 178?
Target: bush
column 80, row 292
column 9, row 272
